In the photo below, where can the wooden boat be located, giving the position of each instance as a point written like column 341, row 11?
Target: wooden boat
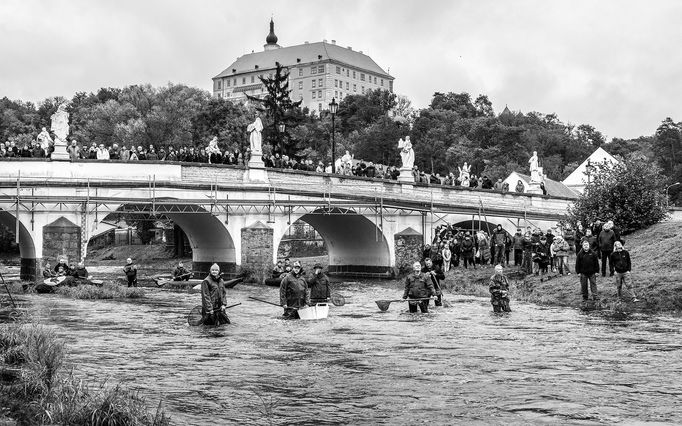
column 319, row 311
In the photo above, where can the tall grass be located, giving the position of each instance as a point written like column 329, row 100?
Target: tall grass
column 106, row 291
column 35, row 389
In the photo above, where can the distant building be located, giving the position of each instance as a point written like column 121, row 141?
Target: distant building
column 581, row 175
column 318, row 72
column 553, row 188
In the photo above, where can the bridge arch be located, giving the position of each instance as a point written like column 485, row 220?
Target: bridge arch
column 209, row 238
column 354, row 242
column 27, row 248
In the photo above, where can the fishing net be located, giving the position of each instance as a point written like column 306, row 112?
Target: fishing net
column 338, row 300
column 383, row 304
column 195, row 318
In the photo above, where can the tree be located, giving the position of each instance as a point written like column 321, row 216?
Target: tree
column 588, row 135
column 631, row 193
column 276, row 105
column 668, row 144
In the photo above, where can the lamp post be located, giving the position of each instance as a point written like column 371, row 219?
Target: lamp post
column 333, row 108
column 281, row 127
column 667, row 200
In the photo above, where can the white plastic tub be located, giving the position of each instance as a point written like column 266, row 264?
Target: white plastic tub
column 319, row 311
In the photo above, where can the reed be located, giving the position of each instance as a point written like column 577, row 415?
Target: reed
column 35, row 389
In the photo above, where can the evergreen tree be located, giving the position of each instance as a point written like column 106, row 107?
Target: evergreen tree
column 277, row 106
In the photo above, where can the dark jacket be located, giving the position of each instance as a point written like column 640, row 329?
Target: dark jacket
column 606, row 239
column 621, row 261
column 418, row 286
column 587, row 262
column 592, row 240
column 319, row 288
column 438, row 275
column 212, row 294
column 468, row 248
column 179, row 272
column 294, row 291
column 130, row 271
column 498, row 283
column 80, row 273
column 499, row 237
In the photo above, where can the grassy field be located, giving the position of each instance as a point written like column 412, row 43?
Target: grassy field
column 655, row 253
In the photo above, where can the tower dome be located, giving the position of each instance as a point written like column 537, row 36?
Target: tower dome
column 271, row 39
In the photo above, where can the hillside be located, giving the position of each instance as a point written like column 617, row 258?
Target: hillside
column 655, row 253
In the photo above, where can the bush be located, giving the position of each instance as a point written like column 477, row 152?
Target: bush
column 106, row 291
column 631, row 193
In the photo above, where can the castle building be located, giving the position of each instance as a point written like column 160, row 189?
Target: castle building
column 318, row 72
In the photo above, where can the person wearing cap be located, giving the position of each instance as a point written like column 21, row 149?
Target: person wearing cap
column 499, row 291
column 61, row 264
column 180, row 273
column 436, row 276
column 213, row 299
column 131, row 272
column 318, row 283
column 294, row 292
column 419, row 285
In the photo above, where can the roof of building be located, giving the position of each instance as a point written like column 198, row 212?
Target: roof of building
column 577, row 177
column 304, row 54
column 553, row 187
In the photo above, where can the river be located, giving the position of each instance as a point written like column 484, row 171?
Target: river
column 461, row 364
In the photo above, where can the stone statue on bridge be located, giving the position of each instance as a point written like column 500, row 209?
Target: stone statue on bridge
column 534, row 168
column 212, row 148
column 406, row 153
column 60, row 128
column 255, row 138
column 44, row 139
column 464, row 172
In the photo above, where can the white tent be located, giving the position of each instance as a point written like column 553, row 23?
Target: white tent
column 579, row 178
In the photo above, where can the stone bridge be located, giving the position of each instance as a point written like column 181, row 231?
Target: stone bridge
column 368, row 225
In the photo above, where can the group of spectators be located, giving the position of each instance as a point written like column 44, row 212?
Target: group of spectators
column 537, row 252
column 191, row 154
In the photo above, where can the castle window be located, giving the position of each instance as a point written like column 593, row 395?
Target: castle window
column 300, row 85
column 362, row 76
column 314, row 93
column 320, row 83
column 300, row 72
column 314, row 83
column 382, row 82
column 338, row 70
column 355, row 87
column 320, row 69
column 313, row 70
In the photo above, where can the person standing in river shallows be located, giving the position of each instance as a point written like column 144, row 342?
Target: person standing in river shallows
column 294, row 292
column 131, row 272
column 499, row 291
column 213, row 300
column 418, row 285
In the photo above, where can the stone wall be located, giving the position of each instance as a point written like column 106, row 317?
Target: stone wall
column 257, row 248
column 62, row 238
column 408, row 249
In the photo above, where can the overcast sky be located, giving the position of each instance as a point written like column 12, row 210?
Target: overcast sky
column 616, row 65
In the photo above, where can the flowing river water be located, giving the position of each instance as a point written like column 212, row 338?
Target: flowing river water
column 461, row 364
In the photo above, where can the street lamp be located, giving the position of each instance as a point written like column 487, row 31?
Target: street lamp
column 667, row 201
column 281, row 127
column 333, row 108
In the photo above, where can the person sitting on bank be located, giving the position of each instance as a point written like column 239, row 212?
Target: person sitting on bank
column 419, row 285
column 278, row 270
column 436, row 276
column 48, row 272
column 213, row 298
column 180, row 273
column 61, row 272
column 499, row 291
column 294, row 292
column 62, row 264
column 131, row 272
column 620, row 260
column 319, row 286
column 80, row 273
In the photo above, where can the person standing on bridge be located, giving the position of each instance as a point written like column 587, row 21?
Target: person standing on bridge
column 294, row 292
column 131, row 272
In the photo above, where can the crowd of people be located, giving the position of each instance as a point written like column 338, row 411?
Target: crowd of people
column 213, row 155
column 597, row 248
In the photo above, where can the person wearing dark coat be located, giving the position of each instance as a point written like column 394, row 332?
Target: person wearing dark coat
column 180, row 273
column 436, row 276
column 79, row 272
column 48, row 272
column 61, row 264
column 294, row 292
column 318, row 284
column 499, row 291
column 606, row 239
column 213, row 298
column 131, row 272
column 587, row 266
column 620, row 260
column 418, row 285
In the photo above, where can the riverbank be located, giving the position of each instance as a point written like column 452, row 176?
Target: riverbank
column 37, row 386
column 655, row 254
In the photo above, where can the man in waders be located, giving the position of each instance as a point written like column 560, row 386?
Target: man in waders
column 436, row 276
column 319, row 286
column 131, row 272
column 294, row 292
column 213, row 299
column 418, row 285
column 499, row 291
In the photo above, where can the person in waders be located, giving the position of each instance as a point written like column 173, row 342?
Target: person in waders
column 499, row 291
column 213, row 299
column 131, row 272
column 419, row 285
column 294, row 292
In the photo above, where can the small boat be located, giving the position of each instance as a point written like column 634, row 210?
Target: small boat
column 319, row 311
column 48, row 285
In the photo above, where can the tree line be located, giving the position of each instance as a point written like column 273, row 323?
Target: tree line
column 454, row 128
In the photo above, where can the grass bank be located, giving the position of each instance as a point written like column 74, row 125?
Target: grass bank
column 655, row 253
column 105, row 291
column 36, row 388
